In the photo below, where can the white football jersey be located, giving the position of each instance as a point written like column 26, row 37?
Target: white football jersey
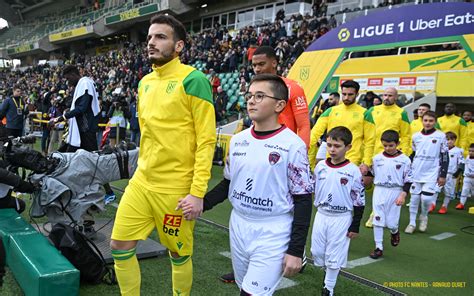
column 338, row 188
column 455, row 159
column 469, row 167
column 392, row 171
column 428, row 150
column 265, row 171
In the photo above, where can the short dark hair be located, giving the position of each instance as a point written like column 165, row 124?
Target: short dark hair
column 17, row 86
column 430, row 114
column 351, row 84
column 341, row 133
column 280, row 90
column 71, row 69
column 451, row 136
column 390, row 136
column 266, row 50
column 471, row 146
column 336, row 94
column 425, row 105
column 179, row 32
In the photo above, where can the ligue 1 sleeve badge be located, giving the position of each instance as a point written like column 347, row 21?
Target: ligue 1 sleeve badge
column 273, row 157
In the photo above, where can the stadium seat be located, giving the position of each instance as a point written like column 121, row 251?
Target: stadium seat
column 220, row 75
column 228, row 75
column 223, row 81
column 235, row 75
column 235, row 86
column 230, row 93
column 225, row 87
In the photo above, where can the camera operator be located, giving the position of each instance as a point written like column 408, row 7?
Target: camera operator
column 15, row 110
column 119, row 113
column 7, row 181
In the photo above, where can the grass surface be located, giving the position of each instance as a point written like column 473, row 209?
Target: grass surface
column 414, row 267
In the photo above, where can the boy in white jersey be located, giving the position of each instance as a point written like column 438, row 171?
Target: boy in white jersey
column 468, row 183
column 430, row 167
column 268, row 182
column 340, row 200
column 393, row 178
column 456, row 164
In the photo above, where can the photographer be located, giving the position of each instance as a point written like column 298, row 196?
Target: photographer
column 119, row 113
column 15, row 110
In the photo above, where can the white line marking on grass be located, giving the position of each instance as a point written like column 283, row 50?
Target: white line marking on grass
column 442, row 236
column 362, row 261
column 285, row 283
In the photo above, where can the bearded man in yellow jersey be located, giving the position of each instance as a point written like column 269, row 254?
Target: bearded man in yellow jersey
column 469, row 119
column 350, row 115
column 450, row 122
column 389, row 116
column 177, row 121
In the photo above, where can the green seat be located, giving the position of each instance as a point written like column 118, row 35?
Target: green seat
column 220, row 75
column 230, row 93
column 224, row 81
column 235, row 75
column 235, row 86
column 225, row 87
column 228, row 75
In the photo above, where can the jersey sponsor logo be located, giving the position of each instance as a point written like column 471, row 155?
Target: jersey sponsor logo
column 276, row 147
column 239, row 154
column 244, row 143
column 171, row 224
column 337, row 209
column 171, row 86
column 344, row 181
column 248, row 184
column 248, row 201
column 273, row 157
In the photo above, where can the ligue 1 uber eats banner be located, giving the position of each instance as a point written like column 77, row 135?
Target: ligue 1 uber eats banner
column 402, row 24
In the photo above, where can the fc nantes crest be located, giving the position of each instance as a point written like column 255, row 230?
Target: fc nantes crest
column 171, row 86
column 304, row 73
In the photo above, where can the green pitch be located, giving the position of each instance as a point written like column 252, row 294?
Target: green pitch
column 418, row 266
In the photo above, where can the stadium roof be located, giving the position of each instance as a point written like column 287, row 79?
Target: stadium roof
column 26, row 5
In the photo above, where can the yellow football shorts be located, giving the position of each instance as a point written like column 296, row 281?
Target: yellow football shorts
column 141, row 210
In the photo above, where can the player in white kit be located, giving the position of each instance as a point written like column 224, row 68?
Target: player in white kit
column 468, row 183
column 392, row 179
column 269, row 184
column 340, row 200
column 455, row 168
column 430, row 167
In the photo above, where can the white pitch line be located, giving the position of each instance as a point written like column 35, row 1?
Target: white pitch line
column 442, row 236
column 361, row 261
column 284, row 283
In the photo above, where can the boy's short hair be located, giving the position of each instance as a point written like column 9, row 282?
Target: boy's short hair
column 430, row 114
column 341, row 133
column 278, row 85
column 351, row 84
column 70, row 69
column 451, row 136
column 390, row 136
column 425, row 105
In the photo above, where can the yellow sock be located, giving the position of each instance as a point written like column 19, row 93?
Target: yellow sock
column 127, row 271
column 182, row 275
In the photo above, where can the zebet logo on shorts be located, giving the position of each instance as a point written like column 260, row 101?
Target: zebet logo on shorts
column 171, row 224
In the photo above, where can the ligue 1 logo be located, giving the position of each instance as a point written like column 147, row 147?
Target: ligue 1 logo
column 273, row 157
column 344, row 35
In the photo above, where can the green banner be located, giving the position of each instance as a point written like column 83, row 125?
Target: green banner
column 21, row 48
column 333, row 85
column 132, row 14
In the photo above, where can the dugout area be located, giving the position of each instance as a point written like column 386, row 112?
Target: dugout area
column 420, row 265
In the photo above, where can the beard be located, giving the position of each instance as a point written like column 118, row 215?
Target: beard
column 166, row 56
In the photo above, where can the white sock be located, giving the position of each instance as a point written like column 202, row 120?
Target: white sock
column 330, row 279
column 426, row 202
column 463, row 199
column 446, row 202
column 378, row 237
column 414, row 203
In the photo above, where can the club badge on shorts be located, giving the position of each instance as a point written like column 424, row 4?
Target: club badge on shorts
column 273, row 157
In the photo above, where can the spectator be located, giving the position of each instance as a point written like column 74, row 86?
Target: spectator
column 15, row 110
column 221, row 104
column 134, row 125
column 215, row 82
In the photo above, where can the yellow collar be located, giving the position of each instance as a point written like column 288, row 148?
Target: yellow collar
column 167, row 68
